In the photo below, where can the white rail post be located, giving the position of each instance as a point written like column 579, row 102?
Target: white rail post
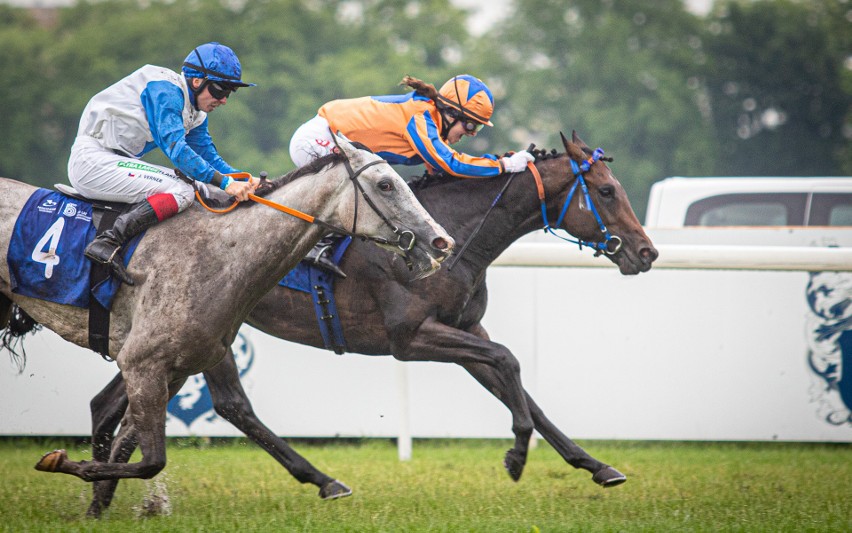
column 403, row 443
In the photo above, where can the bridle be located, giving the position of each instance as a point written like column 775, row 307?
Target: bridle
column 578, row 170
column 405, row 238
column 611, row 243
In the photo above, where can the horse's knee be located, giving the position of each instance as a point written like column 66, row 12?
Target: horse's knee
column 505, row 361
column 149, row 469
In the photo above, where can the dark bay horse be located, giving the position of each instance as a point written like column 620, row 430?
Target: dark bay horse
column 199, row 275
column 437, row 319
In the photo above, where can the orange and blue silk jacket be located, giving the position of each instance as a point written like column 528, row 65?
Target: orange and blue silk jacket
column 404, row 130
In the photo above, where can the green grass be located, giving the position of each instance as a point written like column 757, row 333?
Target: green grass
column 450, row 485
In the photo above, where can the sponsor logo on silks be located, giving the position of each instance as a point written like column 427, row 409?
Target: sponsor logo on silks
column 84, row 216
column 48, row 206
column 829, row 332
column 70, row 210
column 193, row 401
column 141, row 167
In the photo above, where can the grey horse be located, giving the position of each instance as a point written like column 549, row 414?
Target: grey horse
column 199, row 275
column 438, row 319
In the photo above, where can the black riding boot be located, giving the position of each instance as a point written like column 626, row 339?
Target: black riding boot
column 104, row 249
column 319, row 255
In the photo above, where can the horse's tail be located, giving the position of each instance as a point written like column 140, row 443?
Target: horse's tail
column 12, row 334
column 421, row 87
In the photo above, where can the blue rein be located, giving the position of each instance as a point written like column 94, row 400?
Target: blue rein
column 579, row 170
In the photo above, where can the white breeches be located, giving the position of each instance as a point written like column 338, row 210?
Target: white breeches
column 101, row 174
column 311, row 141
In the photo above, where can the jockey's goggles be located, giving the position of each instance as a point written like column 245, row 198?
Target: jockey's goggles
column 471, row 126
column 219, row 90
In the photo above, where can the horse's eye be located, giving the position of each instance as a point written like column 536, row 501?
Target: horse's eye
column 385, row 186
column 607, row 191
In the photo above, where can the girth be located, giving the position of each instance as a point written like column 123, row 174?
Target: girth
column 103, row 217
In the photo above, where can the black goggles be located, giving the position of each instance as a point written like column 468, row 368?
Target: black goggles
column 219, row 90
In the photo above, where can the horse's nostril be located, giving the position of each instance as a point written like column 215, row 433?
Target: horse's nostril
column 440, row 243
column 649, row 254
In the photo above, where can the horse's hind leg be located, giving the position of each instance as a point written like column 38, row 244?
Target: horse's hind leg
column 5, row 311
column 232, row 404
column 602, row 474
column 107, row 408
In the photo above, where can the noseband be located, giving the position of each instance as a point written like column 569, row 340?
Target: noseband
column 611, row 243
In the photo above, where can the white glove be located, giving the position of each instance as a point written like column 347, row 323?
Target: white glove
column 517, row 162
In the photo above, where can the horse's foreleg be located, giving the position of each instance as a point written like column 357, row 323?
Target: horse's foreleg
column 438, row 342
column 147, row 396
column 232, row 404
column 107, row 409
column 602, row 474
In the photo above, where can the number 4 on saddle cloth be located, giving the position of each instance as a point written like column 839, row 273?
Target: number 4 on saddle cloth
column 319, row 284
column 45, row 254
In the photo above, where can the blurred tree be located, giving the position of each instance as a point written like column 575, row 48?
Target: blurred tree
column 780, row 102
column 626, row 74
column 28, row 139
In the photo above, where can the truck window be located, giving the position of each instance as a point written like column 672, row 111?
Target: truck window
column 748, row 209
column 831, row 209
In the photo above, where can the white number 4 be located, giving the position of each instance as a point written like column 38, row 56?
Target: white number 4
column 51, row 240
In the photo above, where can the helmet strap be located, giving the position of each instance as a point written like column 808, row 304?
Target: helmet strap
column 195, row 92
column 447, row 112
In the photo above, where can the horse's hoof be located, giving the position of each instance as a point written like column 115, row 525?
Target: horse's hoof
column 334, row 489
column 51, row 461
column 514, row 463
column 609, row 477
column 94, row 511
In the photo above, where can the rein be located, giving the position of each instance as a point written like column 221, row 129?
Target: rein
column 579, row 170
column 404, row 242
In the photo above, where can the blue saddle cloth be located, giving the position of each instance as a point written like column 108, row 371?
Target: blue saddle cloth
column 45, row 255
column 320, row 285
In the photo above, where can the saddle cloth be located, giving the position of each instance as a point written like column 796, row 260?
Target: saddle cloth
column 320, row 285
column 45, row 255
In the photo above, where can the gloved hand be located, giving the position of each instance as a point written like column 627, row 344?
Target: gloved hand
column 517, row 162
column 241, row 189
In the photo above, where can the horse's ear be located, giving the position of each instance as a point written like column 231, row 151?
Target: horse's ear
column 577, row 140
column 344, row 145
column 571, row 148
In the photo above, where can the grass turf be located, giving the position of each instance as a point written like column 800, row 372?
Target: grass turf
column 450, row 485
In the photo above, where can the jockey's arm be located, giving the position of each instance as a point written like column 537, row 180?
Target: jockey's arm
column 163, row 103
column 424, row 136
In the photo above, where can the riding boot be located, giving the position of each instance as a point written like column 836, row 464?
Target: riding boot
column 104, row 249
column 320, row 255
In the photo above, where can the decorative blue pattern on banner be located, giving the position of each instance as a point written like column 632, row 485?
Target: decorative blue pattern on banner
column 45, row 256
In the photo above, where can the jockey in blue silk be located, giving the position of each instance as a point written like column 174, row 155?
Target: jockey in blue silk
column 154, row 107
column 410, row 129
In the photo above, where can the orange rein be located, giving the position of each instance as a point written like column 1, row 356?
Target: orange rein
column 258, row 199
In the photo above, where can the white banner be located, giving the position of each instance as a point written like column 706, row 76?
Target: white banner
column 670, row 354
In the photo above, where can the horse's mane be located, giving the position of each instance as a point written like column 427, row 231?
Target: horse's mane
column 313, row 167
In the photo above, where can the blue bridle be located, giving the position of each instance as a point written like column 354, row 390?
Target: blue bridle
column 579, row 169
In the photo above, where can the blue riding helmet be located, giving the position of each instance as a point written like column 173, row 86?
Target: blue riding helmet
column 215, row 62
